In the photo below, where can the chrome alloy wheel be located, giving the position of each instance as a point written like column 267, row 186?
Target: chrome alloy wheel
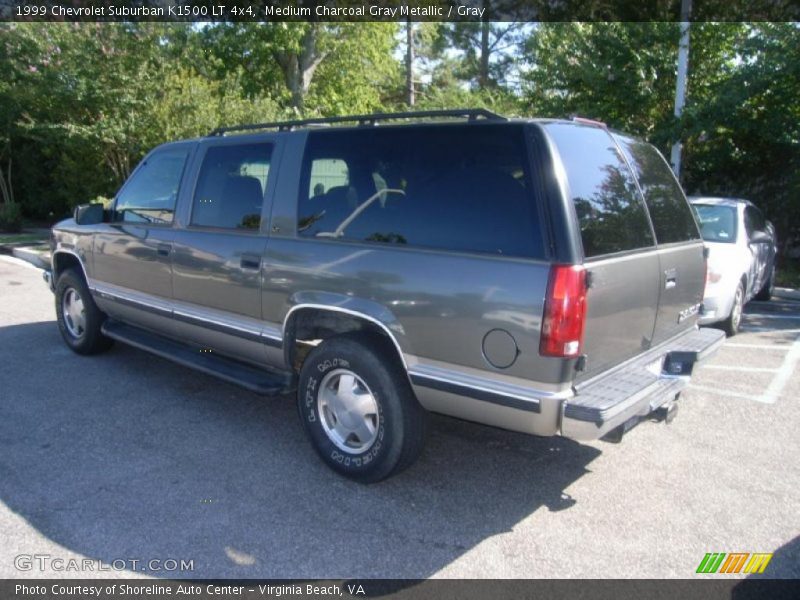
column 348, row 411
column 74, row 313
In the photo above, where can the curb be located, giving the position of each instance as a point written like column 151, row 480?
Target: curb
column 38, row 259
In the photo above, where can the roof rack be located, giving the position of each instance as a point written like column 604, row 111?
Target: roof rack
column 585, row 121
column 472, row 114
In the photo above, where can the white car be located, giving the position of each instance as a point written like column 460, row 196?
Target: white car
column 741, row 258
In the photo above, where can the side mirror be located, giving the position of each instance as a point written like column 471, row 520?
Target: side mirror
column 89, row 214
column 760, row 237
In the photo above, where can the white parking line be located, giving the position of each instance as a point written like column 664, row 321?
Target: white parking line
column 776, row 386
column 794, row 303
column 746, row 369
column 719, row 392
column 784, row 373
column 747, row 328
column 771, row 316
column 757, row 346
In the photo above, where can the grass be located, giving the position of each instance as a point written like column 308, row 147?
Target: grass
column 21, row 238
column 788, row 274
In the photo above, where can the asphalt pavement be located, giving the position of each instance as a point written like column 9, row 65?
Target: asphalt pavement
column 127, row 457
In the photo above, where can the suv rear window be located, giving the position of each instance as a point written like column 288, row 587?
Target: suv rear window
column 462, row 188
column 717, row 222
column 672, row 218
column 607, row 202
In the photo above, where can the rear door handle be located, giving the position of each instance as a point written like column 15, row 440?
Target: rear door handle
column 670, row 278
column 164, row 249
column 250, row 261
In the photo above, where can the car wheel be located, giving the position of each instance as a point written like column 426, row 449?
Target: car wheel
column 769, row 287
column 79, row 319
column 731, row 324
column 358, row 408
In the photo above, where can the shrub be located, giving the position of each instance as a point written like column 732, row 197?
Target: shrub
column 10, row 217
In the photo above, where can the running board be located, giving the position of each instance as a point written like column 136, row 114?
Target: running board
column 261, row 381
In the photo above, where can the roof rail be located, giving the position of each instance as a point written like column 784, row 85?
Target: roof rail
column 471, row 114
column 585, row 121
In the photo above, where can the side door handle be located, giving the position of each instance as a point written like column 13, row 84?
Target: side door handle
column 250, row 261
column 670, row 278
column 164, row 249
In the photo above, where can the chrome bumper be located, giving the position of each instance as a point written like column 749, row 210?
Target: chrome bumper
column 638, row 387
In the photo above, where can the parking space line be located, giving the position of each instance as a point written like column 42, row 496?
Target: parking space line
column 793, row 303
column 719, row 392
column 785, row 371
column 747, row 369
column 776, row 386
column 747, row 328
column 770, row 316
column 756, row 346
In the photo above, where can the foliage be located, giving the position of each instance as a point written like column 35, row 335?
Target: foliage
column 81, row 103
column 10, row 217
column 740, row 127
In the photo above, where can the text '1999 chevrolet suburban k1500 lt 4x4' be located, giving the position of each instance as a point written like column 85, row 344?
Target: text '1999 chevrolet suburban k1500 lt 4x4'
column 543, row 276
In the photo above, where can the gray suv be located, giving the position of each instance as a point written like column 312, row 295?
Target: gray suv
column 542, row 276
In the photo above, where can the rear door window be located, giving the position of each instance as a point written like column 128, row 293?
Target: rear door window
column 607, row 202
column 231, row 185
column 461, row 188
column 672, row 218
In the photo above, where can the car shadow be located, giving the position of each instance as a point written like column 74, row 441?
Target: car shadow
column 127, row 456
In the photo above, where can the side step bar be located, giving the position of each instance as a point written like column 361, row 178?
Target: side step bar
column 261, row 381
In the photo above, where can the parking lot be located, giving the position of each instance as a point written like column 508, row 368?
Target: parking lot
column 126, row 457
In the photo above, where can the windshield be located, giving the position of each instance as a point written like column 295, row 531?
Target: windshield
column 717, row 223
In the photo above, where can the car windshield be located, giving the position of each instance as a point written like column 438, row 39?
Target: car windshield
column 717, row 223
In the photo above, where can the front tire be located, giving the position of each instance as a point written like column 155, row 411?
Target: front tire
column 79, row 319
column 358, row 408
column 731, row 324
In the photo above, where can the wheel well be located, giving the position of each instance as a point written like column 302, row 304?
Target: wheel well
column 307, row 327
column 65, row 260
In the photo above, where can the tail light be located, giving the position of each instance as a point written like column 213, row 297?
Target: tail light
column 564, row 312
column 712, row 276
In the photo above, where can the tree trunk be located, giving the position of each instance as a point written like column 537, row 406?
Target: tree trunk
column 298, row 69
column 483, row 73
column 410, row 63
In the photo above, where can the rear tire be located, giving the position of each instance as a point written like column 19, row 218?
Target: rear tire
column 358, row 408
column 79, row 319
column 731, row 324
column 765, row 293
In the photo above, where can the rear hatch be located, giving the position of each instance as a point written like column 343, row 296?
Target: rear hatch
column 621, row 259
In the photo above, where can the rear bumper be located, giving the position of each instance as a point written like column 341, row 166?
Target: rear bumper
column 715, row 309
column 638, row 387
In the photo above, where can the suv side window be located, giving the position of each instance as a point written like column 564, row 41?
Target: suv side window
column 150, row 194
column 461, row 188
column 231, row 185
column 610, row 212
column 673, row 220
